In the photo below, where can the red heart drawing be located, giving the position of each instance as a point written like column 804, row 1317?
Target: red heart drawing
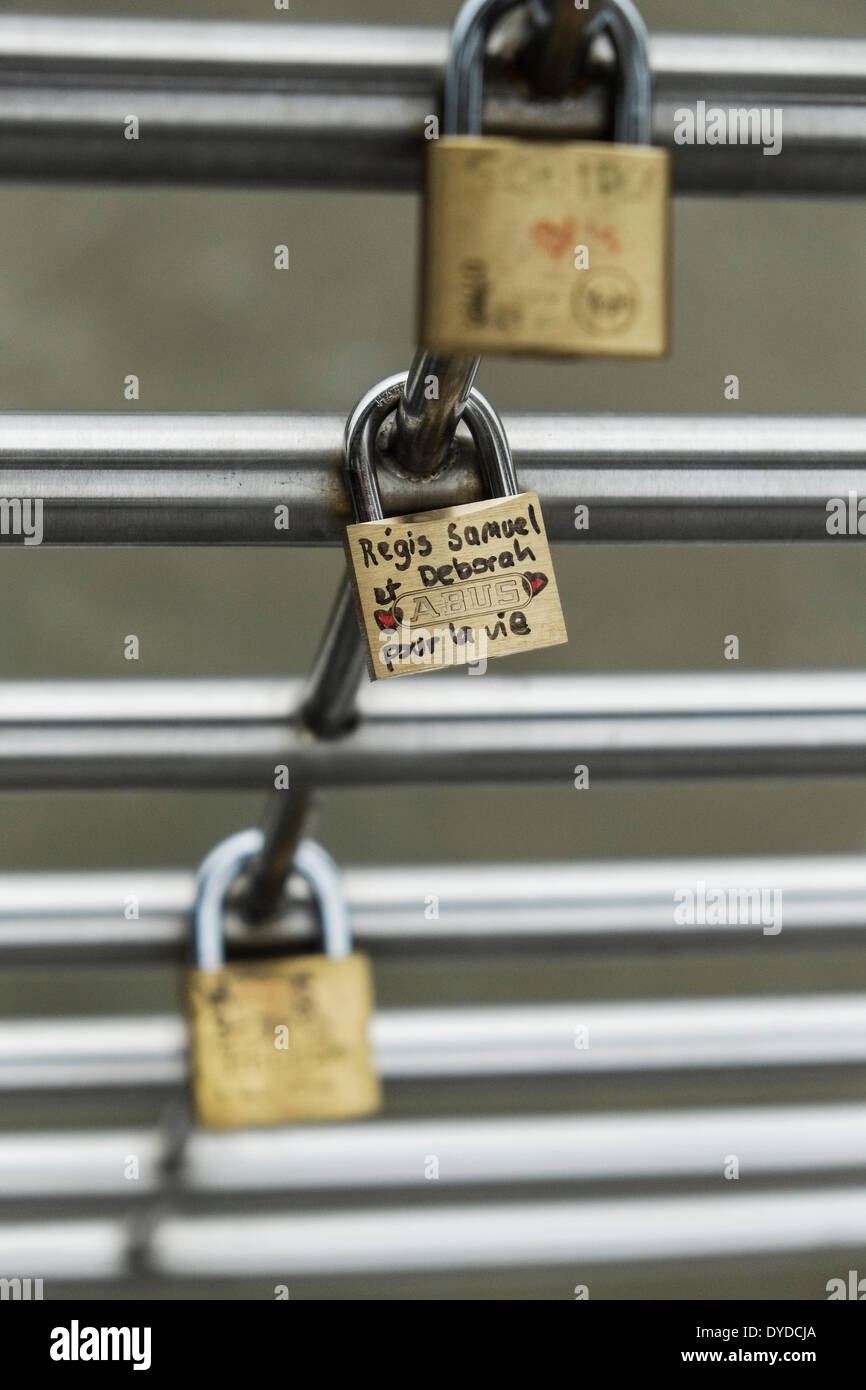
column 385, row 619
column 555, row 238
column 536, row 582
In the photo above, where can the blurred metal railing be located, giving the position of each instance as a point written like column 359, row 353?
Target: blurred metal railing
column 676, row 1035
column 345, row 106
column 282, row 104
column 114, row 479
column 233, row 733
column 606, row 1148
column 443, row 1237
column 616, row 905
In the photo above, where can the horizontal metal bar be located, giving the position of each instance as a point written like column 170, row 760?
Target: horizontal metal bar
column 345, row 106
column 114, row 479
column 233, row 733
column 534, row 1148
column 506, row 1234
column 549, row 1039
column 438, row 1237
column 620, row 904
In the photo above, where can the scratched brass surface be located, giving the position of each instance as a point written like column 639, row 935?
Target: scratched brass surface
column 441, row 589
column 282, row 1041
column 540, row 247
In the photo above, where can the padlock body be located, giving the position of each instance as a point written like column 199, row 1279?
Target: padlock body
column 549, row 248
column 285, row 1040
column 449, row 587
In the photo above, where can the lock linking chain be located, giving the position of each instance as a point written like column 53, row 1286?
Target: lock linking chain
column 424, row 428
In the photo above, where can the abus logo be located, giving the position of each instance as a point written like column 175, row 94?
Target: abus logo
column 855, row 1288
column 469, row 599
column 75, row 1343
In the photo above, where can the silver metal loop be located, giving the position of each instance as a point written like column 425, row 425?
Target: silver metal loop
column 619, row 19
column 464, row 73
column 362, row 426
column 230, row 859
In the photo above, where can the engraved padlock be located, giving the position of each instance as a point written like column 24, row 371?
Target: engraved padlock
column 536, row 247
column 453, row 586
column 279, row 1040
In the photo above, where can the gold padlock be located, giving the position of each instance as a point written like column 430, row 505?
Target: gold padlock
column 536, row 247
column 279, row 1041
column 453, row 586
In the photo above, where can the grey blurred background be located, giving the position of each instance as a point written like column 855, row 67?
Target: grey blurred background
column 179, row 288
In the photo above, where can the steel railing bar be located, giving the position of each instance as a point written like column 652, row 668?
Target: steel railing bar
column 790, row 1031
column 205, row 733
column 115, row 479
column 621, row 904
column 345, row 106
column 440, row 1237
column 391, row 1154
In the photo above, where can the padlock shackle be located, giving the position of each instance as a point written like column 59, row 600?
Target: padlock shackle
column 359, row 438
column 619, row 19
column 623, row 23
column 464, row 73
column 362, row 426
column 229, row 859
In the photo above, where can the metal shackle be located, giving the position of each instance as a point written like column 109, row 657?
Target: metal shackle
column 619, row 19
column 230, row 859
column 362, row 426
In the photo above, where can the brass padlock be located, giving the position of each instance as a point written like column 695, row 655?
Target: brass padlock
column 452, row 586
column 277, row 1041
column 539, row 247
